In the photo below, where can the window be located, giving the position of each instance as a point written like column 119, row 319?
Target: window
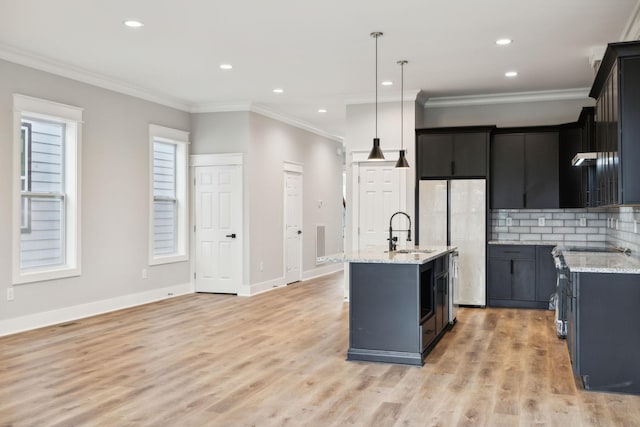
column 168, row 214
column 46, row 234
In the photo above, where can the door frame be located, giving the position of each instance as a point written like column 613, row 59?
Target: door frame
column 296, row 168
column 359, row 158
column 227, row 159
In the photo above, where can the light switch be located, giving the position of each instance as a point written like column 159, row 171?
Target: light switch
column 509, row 221
column 583, row 222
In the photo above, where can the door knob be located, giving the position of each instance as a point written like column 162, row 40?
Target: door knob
column 299, row 231
column 233, row 235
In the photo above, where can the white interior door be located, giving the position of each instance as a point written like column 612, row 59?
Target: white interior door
column 218, row 222
column 293, row 226
column 379, row 198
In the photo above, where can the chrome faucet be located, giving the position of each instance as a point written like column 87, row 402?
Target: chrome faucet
column 393, row 240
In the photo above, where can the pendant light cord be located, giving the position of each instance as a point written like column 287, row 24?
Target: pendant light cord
column 402, row 63
column 376, row 37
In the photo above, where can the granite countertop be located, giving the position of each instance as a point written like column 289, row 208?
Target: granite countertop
column 601, row 262
column 380, row 255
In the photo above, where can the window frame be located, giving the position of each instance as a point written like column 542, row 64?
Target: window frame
column 180, row 139
column 39, row 109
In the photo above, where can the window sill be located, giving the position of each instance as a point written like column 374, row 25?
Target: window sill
column 22, row 277
column 169, row 259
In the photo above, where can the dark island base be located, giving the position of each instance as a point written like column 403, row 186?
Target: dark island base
column 366, row 355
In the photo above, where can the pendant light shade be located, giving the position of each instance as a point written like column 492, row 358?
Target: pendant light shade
column 376, row 151
column 402, row 162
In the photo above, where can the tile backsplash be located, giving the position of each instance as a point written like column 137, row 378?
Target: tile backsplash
column 618, row 226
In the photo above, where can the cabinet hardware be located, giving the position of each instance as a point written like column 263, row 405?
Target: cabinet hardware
column 511, row 266
column 453, row 168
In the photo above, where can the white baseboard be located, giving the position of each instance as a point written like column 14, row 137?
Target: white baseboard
column 47, row 318
column 258, row 288
column 323, row 270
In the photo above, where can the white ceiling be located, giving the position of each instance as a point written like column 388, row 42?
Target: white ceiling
column 319, row 52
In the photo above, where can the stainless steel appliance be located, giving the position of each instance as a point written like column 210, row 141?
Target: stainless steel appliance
column 453, row 212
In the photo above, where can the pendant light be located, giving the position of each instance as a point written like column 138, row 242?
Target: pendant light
column 376, row 151
column 402, row 160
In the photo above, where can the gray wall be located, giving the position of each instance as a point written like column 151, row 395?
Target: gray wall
column 266, row 145
column 273, row 143
column 506, row 115
column 115, row 194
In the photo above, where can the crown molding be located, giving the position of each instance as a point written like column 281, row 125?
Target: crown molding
column 632, row 29
column 52, row 66
column 507, row 98
column 408, row 95
column 58, row 68
column 300, row 124
column 221, row 107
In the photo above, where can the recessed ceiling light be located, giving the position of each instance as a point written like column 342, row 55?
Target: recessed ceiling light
column 226, row 66
column 322, row 110
column 133, row 23
column 504, row 42
column 278, row 90
column 387, row 83
column 511, row 73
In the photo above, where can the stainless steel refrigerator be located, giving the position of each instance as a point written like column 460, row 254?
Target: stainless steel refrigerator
column 454, row 212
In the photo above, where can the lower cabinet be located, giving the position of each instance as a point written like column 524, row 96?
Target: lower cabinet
column 520, row 276
column 602, row 334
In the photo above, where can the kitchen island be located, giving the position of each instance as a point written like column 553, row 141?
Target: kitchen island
column 399, row 302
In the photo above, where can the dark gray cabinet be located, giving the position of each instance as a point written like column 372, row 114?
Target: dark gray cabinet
column 577, row 183
column 452, row 152
column 520, row 276
column 616, row 89
column 546, row 274
column 524, row 170
column 603, row 339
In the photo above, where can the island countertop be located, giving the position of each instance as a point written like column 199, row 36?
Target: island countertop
column 380, row 255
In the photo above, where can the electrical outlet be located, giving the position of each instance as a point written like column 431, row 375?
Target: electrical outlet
column 541, row 222
column 10, row 294
column 261, row 265
column 144, row 273
column 509, row 221
column 583, row 222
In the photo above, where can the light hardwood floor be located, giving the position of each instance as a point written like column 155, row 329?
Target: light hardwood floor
column 279, row 359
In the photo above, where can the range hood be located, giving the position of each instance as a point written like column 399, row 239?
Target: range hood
column 584, row 159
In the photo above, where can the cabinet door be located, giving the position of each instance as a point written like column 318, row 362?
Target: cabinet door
column 541, row 169
column 507, row 171
column 435, row 155
column 470, row 155
column 545, row 273
column 523, row 280
column 499, row 274
column 570, row 177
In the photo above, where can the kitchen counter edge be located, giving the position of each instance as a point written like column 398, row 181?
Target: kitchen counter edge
column 379, row 255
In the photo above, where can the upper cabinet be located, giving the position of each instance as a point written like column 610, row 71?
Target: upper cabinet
column 577, row 183
column 452, row 152
column 616, row 89
column 524, row 169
